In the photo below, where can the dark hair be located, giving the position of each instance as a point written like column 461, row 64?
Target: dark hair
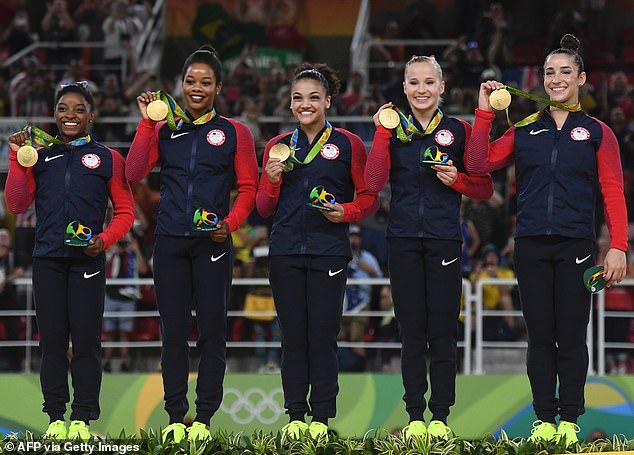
column 76, row 87
column 570, row 45
column 204, row 54
column 321, row 73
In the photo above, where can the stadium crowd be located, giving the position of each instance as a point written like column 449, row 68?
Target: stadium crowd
column 489, row 48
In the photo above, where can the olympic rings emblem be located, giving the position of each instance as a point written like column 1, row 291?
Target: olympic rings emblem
column 253, row 404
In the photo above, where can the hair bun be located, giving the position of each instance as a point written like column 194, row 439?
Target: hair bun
column 571, row 42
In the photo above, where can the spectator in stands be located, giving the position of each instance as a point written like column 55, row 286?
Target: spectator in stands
column 31, row 91
column 351, row 99
column 58, row 26
column 125, row 260
column 18, row 34
column 387, row 330
column 201, row 157
column 563, row 158
column 71, row 184
column 265, row 327
column 309, row 247
column 424, row 237
column 120, row 30
column 495, row 296
column 357, row 298
column 9, row 271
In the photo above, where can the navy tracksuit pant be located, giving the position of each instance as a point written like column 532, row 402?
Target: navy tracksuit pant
column 308, row 293
column 426, row 280
column 192, row 273
column 69, row 294
column 556, row 307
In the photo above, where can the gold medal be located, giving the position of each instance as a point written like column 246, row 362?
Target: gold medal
column 280, row 151
column 500, row 99
column 157, row 110
column 389, row 118
column 27, row 156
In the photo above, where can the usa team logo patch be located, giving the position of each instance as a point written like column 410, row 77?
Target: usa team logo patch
column 91, row 161
column 330, row 151
column 216, row 137
column 444, row 137
column 580, row 134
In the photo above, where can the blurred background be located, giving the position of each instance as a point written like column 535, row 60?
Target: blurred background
column 123, row 47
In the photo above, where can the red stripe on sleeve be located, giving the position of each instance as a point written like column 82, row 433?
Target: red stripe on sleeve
column 611, row 183
column 246, row 168
column 377, row 169
column 365, row 202
column 482, row 157
column 19, row 189
column 122, row 202
column 268, row 192
column 475, row 186
column 144, row 152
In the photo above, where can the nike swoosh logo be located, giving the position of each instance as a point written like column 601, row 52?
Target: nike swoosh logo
column 214, row 258
column 174, row 136
column 446, row 263
column 51, row 158
column 331, row 273
column 579, row 261
column 536, row 132
column 87, row 275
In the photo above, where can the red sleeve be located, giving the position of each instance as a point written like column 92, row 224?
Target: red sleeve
column 365, row 202
column 19, row 189
column 144, row 151
column 246, row 168
column 611, row 182
column 122, row 202
column 268, row 192
column 482, row 157
column 475, row 186
column 377, row 170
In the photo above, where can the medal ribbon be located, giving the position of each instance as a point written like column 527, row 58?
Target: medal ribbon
column 174, row 111
column 576, row 107
column 43, row 139
column 406, row 129
column 291, row 162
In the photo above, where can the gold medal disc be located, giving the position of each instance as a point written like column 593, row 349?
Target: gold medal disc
column 27, row 156
column 389, row 118
column 280, row 151
column 157, row 110
column 500, row 99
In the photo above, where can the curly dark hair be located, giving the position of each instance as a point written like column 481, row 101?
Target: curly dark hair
column 320, row 72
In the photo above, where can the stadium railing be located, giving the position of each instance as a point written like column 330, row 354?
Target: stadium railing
column 29, row 343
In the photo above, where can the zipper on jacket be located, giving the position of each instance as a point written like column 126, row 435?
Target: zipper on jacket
column 69, row 163
column 551, row 189
column 421, row 193
column 190, row 180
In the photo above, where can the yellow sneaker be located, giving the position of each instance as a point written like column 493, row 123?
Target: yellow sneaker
column 318, row 430
column 567, row 432
column 78, row 430
column 438, row 430
column 56, row 430
column 198, row 432
column 177, row 430
column 542, row 432
column 294, row 430
column 415, row 429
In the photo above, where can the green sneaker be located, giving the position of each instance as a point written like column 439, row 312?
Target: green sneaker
column 198, row 432
column 318, row 430
column 438, row 430
column 176, row 429
column 542, row 431
column 56, row 430
column 415, row 429
column 78, row 430
column 294, row 430
column 567, row 432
